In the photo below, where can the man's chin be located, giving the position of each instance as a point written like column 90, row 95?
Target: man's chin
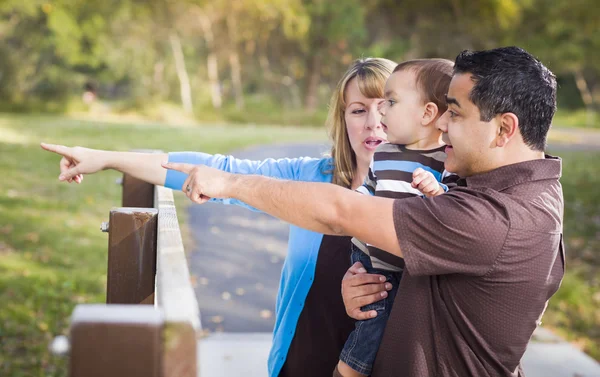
column 450, row 167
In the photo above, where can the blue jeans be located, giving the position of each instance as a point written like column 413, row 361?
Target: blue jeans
column 361, row 347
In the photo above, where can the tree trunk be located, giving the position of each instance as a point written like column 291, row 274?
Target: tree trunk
column 211, row 61
column 184, row 80
column 586, row 96
column 158, row 79
column 234, row 62
column 312, row 86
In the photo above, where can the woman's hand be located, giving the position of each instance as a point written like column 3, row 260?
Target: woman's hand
column 360, row 289
column 76, row 161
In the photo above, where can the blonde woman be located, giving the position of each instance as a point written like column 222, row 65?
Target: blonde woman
column 311, row 325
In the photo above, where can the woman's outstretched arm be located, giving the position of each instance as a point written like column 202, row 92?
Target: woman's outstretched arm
column 78, row 161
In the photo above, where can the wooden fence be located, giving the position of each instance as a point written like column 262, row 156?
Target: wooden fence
column 149, row 324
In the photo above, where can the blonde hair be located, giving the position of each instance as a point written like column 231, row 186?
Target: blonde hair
column 370, row 74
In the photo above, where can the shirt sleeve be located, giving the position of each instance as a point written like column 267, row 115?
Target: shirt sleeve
column 284, row 168
column 462, row 231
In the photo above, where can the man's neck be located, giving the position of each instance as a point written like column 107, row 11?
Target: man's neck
column 511, row 158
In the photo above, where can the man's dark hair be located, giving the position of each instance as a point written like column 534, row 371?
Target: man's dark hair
column 510, row 80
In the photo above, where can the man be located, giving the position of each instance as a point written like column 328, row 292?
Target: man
column 483, row 259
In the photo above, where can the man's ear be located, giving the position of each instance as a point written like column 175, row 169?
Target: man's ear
column 508, row 128
column 430, row 113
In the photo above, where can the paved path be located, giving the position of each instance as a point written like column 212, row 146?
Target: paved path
column 238, row 255
column 236, row 263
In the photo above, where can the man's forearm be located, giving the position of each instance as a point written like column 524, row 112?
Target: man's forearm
column 321, row 207
column 144, row 166
column 314, row 206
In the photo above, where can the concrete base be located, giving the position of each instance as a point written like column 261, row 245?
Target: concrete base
column 234, row 354
column 246, row 354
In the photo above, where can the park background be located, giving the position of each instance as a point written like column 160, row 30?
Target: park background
column 219, row 75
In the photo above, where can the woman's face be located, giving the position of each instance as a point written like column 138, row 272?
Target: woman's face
column 363, row 123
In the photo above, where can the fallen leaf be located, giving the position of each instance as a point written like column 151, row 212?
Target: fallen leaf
column 6, row 229
column 217, row 319
column 32, row 237
column 266, row 314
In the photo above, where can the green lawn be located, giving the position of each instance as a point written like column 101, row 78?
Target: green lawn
column 53, row 256
column 577, row 119
column 574, row 312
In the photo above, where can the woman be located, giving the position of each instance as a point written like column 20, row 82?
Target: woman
column 311, row 325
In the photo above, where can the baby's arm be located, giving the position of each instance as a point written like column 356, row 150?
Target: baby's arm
column 425, row 182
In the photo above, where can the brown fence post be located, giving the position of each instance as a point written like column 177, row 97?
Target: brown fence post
column 116, row 341
column 137, row 193
column 131, row 256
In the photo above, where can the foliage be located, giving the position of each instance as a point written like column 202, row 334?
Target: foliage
column 292, row 51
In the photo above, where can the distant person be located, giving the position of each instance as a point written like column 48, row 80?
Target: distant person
column 89, row 94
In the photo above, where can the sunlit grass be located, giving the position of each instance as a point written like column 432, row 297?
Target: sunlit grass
column 53, row 256
column 52, row 253
column 574, row 312
column 578, row 118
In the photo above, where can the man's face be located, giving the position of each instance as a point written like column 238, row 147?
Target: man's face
column 470, row 140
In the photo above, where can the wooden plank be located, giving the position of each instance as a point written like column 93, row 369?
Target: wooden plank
column 116, row 341
column 131, row 255
column 137, row 193
column 174, row 293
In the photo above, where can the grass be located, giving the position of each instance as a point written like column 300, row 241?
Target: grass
column 574, row 312
column 577, row 119
column 53, row 256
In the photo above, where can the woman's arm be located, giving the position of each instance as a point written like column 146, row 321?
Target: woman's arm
column 295, row 169
column 78, row 161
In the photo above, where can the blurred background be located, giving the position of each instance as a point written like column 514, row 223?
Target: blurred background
column 241, row 60
column 220, row 75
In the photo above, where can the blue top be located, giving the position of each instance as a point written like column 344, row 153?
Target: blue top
column 299, row 267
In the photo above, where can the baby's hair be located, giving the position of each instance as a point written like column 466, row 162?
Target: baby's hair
column 432, row 78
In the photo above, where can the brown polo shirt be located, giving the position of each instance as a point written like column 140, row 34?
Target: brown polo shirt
column 482, row 261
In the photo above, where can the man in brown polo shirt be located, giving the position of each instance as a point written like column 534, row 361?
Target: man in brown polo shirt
column 482, row 260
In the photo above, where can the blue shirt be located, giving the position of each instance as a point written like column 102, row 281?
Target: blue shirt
column 298, row 270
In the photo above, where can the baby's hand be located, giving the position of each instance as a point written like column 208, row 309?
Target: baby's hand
column 425, row 182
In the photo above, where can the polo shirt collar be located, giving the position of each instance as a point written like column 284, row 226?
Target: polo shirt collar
column 511, row 175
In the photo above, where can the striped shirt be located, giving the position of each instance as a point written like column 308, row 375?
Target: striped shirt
column 390, row 176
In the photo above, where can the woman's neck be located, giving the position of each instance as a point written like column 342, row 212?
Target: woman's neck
column 359, row 176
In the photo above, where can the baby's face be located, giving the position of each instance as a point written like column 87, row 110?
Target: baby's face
column 403, row 109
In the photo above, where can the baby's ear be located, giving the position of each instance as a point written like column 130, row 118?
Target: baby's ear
column 430, row 113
